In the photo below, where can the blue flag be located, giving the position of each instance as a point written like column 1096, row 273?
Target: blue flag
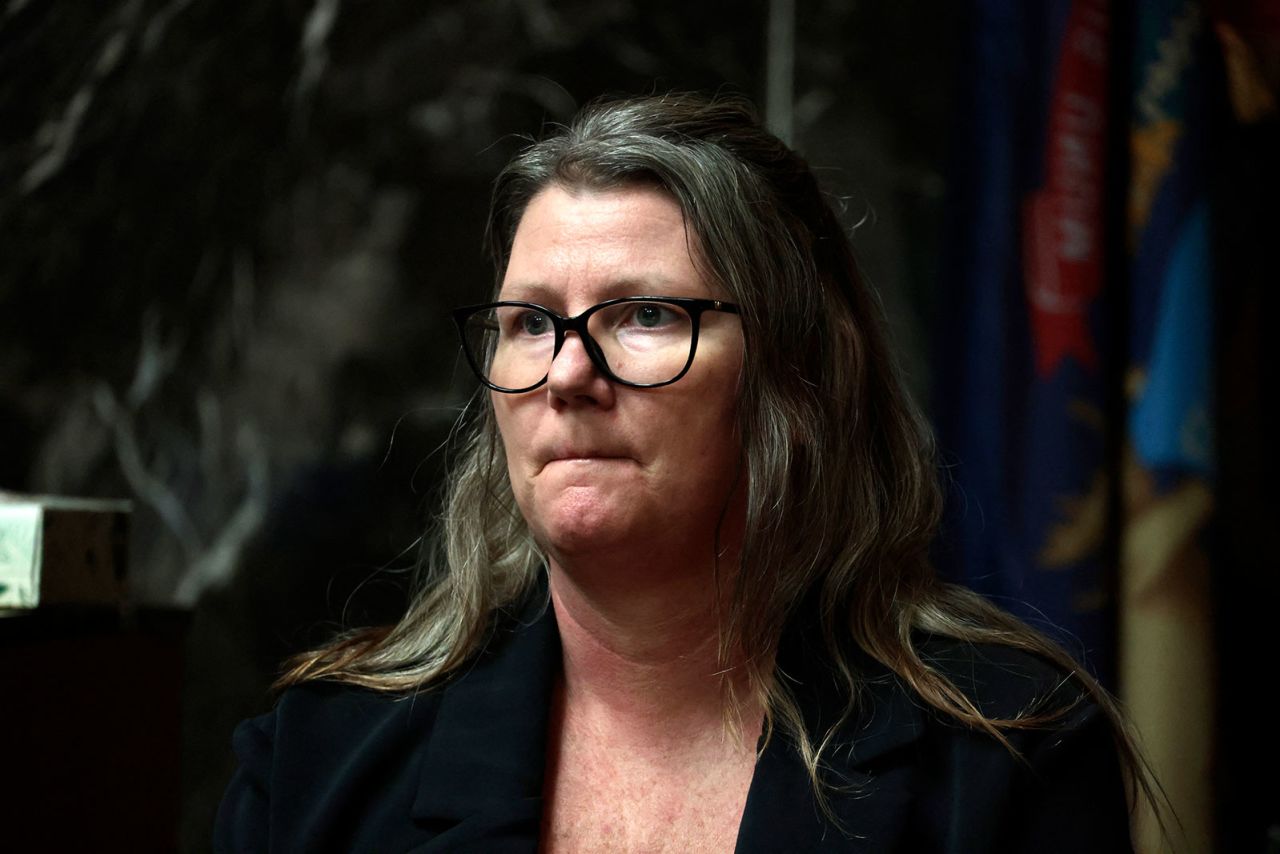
column 1167, row 665
column 1022, row 379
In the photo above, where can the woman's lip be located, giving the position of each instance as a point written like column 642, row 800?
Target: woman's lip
column 585, row 458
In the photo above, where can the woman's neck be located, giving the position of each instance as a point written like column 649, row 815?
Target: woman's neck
column 641, row 657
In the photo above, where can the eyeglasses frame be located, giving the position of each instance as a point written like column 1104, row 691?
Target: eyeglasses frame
column 694, row 306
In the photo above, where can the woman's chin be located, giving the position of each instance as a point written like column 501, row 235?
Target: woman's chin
column 582, row 522
column 573, row 540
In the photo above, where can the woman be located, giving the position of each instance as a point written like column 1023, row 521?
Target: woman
column 683, row 601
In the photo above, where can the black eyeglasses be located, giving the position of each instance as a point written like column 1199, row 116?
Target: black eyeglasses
column 643, row 342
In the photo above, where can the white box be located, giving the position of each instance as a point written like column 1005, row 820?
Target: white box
column 56, row 551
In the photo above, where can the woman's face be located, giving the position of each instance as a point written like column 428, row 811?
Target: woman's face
column 598, row 467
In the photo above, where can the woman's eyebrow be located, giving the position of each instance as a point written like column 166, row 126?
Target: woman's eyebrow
column 528, row 292
column 632, row 286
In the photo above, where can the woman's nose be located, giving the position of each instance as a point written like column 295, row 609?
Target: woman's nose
column 575, row 378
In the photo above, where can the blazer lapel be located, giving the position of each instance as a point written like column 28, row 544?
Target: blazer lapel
column 868, row 793
column 873, row 761
column 480, row 786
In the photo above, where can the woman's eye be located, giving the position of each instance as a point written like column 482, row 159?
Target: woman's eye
column 533, row 323
column 650, row 315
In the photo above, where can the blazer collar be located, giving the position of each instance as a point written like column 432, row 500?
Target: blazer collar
column 480, row 786
column 868, row 785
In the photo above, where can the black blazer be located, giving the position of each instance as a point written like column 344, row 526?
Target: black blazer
column 459, row 768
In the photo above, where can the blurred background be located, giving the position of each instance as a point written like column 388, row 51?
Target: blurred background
column 230, row 235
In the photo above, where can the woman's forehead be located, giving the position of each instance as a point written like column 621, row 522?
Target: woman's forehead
column 601, row 244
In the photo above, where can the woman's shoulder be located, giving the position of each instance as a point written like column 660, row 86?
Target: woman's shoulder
column 1005, row 682
column 1002, row 682
column 323, row 703
column 323, row 742
column 1053, row 781
column 1046, row 776
column 317, row 722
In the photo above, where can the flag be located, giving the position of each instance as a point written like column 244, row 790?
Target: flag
column 1166, row 644
column 1022, row 382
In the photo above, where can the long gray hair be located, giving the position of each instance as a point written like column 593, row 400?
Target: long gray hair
column 843, row 499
